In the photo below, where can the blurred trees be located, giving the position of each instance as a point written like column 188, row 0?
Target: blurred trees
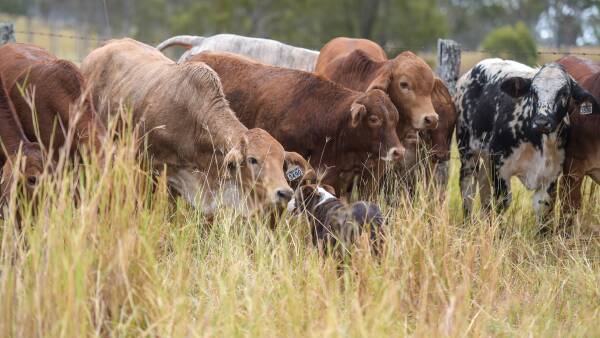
column 512, row 42
column 398, row 24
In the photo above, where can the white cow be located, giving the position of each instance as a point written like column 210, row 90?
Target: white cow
column 267, row 51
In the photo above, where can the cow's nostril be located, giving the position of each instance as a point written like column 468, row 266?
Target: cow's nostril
column 431, row 120
column 284, row 194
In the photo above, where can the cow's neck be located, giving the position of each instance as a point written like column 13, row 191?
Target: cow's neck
column 362, row 71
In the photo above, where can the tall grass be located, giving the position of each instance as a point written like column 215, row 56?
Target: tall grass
column 120, row 259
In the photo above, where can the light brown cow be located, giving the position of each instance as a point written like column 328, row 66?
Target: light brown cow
column 58, row 93
column 362, row 65
column 344, row 133
column 12, row 143
column 190, row 128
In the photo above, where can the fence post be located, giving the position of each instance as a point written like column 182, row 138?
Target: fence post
column 7, row 33
column 448, row 55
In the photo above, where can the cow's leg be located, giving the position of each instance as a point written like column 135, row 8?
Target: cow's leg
column 570, row 196
column 500, row 185
column 468, row 168
column 543, row 204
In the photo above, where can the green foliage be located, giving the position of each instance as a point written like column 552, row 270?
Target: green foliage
column 512, row 42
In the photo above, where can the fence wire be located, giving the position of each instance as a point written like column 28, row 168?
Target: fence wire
column 389, row 47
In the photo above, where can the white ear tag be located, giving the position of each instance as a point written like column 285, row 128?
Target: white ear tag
column 294, row 174
column 567, row 120
column 585, row 108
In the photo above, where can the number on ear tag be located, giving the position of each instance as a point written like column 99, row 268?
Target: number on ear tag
column 585, row 108
column 294, row 174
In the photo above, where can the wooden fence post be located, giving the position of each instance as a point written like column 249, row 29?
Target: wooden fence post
column 448, row 56
column 7, row 33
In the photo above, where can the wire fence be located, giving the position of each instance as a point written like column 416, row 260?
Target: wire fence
column 97, row 40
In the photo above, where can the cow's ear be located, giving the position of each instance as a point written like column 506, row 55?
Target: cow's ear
column 357, row 111
column 585, row 101
column 516, row 86
column 382, row 81
column 440, row 92
column 235, row 157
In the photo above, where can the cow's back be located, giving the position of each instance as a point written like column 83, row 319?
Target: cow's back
column 268, row 51
column 484, row 110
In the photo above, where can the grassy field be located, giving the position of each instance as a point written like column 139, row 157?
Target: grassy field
column 123, row 261
column 126, row 262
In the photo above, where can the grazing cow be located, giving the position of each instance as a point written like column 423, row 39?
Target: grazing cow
column 334, row 222
column 337, row 128
column 57, row 90
column 362, row 65
column 583, row 145
column 190, row 128
column 13, row 142
column 264, row 50
column 511, row 124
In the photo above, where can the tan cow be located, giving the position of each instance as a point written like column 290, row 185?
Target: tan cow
column 362, row 65
column 190, row 128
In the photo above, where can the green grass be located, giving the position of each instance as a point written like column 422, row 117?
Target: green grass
column 124, row 261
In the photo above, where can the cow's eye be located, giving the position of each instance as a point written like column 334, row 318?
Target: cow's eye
column 404, row 85
column 252, row 160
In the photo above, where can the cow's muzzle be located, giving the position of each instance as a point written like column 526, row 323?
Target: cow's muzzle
column 394, row 154
column 283, row 195
column 542, row 124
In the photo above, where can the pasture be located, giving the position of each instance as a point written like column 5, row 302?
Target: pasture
column 126, row 262
column 120, row 259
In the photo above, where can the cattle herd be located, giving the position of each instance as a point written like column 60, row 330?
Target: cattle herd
column 260, row 126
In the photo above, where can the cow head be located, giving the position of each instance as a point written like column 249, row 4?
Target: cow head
column 552, row 90
column 25, row 171
column 257, row 161
column 409, row 81
column 374, row 119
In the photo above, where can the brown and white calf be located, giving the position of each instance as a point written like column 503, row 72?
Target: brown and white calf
column 335, row 223
column 190, row 128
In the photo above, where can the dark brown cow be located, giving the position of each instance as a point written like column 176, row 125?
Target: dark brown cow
column 59, row 96
column 12, row 143
column 583, row 145
column 362, row 65
column 335, row 127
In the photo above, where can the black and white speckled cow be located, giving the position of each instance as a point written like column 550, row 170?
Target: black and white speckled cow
column 512, row 122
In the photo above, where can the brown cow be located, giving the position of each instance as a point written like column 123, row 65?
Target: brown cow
column 57, row 90
column 420, row 97
column 190, row 128
column 362, row 65
column 335, row 127
column 583, row 145
column 13, row 143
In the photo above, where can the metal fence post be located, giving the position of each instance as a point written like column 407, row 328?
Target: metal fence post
column 7, row 33
column 448, row 57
